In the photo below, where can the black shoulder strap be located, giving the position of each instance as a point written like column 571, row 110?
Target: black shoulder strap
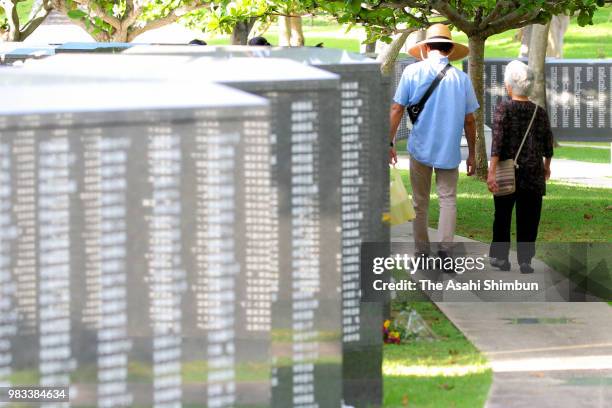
column 433, row 85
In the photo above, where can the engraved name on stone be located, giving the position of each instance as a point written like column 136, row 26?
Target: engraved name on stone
column 8, row 287
column 55, row 187
column 25, row 261
column 566, row 98
column 113, row 342
column 305, row 251
column 91, row 198
column 602, row 91
column 577, row 96
column 166, row 278
column 218, row 266
column 260, row 260
column 352, row 213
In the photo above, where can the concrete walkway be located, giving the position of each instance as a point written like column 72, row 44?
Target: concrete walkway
column 567, row 171
column 542, row 354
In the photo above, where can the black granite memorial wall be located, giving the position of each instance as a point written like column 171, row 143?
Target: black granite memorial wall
column 306, row 312
column 403, row 130
column 15, row 52
column 135, row 243
column 579, row 100
column 92, row 47
column 364, row 192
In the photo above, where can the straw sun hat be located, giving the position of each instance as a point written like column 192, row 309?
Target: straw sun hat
column 439, row 33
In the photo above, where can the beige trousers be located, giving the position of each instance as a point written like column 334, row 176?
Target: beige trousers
column 446, row 187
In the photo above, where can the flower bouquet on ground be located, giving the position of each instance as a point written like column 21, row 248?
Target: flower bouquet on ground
column 405, row 327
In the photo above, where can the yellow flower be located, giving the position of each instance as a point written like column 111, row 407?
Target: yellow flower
column 386, row 218
column 394, row 334
column 387, row 324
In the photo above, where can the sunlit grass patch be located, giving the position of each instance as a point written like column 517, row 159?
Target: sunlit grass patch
column 447, row 372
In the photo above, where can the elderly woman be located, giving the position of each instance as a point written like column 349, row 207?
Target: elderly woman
column 511, row 121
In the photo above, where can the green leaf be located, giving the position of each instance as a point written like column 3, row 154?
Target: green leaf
column 76, row 14
column 583, row 18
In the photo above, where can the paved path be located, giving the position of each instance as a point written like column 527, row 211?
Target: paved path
column 542, row 354
column 567, row 171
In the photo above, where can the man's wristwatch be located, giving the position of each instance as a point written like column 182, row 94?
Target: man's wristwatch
column 392, row 144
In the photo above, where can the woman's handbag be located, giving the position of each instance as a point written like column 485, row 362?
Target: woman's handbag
column 401, row 206
column 505, row 175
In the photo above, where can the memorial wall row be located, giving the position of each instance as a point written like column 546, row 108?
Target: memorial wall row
column 579, row 96
column 188, row 250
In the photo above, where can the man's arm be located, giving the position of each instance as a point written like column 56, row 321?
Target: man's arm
column 395, row 117
column 469, row 125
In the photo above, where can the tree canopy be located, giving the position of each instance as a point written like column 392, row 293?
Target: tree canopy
column 474, row 17
column 478, row 19
column 124, row 20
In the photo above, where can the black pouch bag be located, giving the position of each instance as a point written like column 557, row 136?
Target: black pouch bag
column 415, row 110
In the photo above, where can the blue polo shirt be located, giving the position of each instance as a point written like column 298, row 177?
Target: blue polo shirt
column 435, row 140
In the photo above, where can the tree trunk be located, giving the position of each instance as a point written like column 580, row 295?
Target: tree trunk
column 524, row 35
column 389, row 55
column 120, row 35
column 558, row 27
column 476, row 73
column 537, row 62
column 260, row 28
column 297, row 33
column 284, row 31
column 12, row 18
column 370, row 48
column 240, row 33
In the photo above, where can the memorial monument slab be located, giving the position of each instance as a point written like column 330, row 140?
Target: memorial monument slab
column 364, row 196
column 578, row 96
column 403, row 131
column 93, row 47
column 306, row 183
column 12, row 52
column 134, row 240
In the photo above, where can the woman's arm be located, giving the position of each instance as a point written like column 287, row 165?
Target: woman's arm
column 547, row 161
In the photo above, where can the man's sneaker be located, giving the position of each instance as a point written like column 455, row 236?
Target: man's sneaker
column 526, row 268
column 502, row 264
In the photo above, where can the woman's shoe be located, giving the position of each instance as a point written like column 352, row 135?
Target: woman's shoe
column 502, row 264
column 526, row 268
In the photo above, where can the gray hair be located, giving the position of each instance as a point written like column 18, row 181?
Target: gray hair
column 519, row 77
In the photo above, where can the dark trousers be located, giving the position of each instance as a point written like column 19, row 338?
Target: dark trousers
column 528, row 210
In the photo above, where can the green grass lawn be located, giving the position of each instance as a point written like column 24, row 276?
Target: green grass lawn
column 449, row 372
column 569, row 214
column 593, row 155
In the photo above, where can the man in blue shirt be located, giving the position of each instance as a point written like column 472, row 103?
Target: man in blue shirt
column 435, row 139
